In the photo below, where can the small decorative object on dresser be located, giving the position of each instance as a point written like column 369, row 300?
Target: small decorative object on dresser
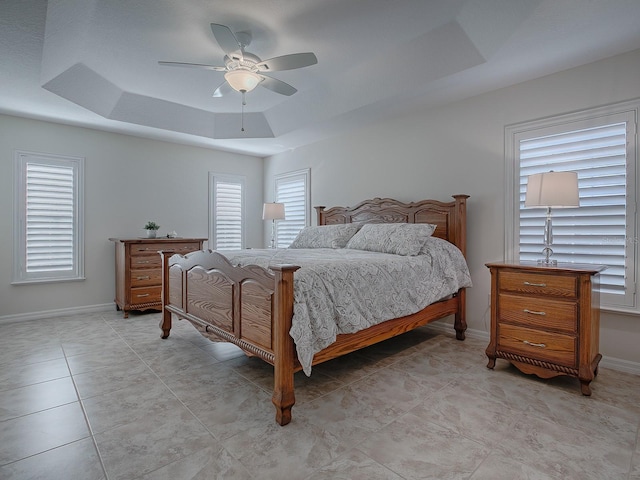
column 151, row 228
column 139, row 270
column 546, row 319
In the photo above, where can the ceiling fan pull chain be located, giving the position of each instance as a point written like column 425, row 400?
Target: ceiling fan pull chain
column 242, row 113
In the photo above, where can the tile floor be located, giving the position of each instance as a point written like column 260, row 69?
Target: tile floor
column 102, row 397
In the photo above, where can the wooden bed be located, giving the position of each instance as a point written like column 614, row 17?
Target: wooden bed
column 252, row 307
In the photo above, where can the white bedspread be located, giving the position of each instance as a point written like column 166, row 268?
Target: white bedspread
column 345, row 290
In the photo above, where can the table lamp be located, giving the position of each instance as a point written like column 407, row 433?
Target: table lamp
column 551, row 190
column 273, row 212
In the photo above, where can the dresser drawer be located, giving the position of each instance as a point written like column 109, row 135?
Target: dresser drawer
column 553, row 347
column 146, row 295
column 539, row 312
column 147, row 248
column 545, row 284
column 154, row 248
column 146, row 278
column 145, row 261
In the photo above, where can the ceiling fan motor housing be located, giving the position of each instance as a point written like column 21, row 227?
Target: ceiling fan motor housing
column 247, row 62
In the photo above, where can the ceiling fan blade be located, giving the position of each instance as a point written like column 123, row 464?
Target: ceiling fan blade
column 223, row 89
column 227, row 41
column 277, row 86
column 193, row 65
column 288, row 62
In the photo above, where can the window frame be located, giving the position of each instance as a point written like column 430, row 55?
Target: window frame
column 587, row 118
column 305, row 176
column 20, row 274
column 214, row 178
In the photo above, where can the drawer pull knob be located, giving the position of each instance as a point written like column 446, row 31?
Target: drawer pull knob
column 144, row 278
column 527, row 342
column 143, row 295
column 533, row 312
column 529, row 284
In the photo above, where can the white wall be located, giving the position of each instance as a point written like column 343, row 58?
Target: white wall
column 459, row 148
column 129, row 180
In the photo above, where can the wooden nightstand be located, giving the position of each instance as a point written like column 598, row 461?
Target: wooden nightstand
column 546, row 320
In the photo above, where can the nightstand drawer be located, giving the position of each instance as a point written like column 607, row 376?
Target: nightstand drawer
column 546, row 284
column 552, row 347
column 539, row 312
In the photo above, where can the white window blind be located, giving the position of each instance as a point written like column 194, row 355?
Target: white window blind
column 228, row 212
column 293, row 190
column 49, row 199
column 601, row 149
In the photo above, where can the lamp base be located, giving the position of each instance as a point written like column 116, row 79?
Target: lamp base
column 547, row 262
column 547, row 251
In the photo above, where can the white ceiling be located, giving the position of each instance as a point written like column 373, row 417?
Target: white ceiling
column 95, row 62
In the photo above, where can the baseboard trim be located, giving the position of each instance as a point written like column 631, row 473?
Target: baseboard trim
column 606, row 362
column 620, row 365
column 61, row 312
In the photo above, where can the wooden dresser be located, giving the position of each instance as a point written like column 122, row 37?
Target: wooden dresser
column 139, row 270
column 546, row 319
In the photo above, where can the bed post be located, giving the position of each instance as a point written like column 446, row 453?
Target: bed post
column 165, row 322
column 460, row 240
column 284, row 351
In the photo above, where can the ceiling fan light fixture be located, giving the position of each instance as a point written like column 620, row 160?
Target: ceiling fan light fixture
column 242, row 80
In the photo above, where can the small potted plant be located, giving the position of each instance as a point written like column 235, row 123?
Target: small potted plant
column 151, row 228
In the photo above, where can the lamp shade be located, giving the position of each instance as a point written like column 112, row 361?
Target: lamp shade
column 273, row 211
column 552, row 189
column 242, row 80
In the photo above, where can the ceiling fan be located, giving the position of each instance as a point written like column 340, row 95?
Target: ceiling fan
column 244, row 71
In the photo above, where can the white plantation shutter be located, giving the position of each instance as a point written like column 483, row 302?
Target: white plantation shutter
column 49, row 220
column 601, row 149
column 292, row 189
column 228, row 212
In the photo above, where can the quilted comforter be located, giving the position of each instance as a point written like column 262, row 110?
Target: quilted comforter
column 346, row 290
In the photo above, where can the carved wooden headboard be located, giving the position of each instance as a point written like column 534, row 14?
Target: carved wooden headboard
column 450, row 217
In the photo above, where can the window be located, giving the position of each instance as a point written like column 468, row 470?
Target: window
column 292, row 189
column 600, row 145
column 48, row 224
column 226, row 223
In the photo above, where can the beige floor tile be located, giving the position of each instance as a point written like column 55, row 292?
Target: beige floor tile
column 500, row 467
column 41, row 431
column 354, row 465
column 418, row 449
column 137, row 448
column 130, row 404
column 206, row 464
column 564, row 451
column 36, row 397
column 112, row 377
column 17, row 374
column 73, row 461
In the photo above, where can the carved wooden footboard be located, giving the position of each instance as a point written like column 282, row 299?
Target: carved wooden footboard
column 253, row 307
column 248, row 306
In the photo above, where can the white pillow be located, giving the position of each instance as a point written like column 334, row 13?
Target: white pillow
column 396, row 238
column 325, row 236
